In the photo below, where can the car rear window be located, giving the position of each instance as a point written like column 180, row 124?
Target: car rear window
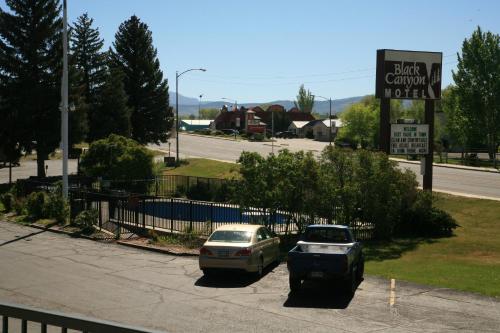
column 327, row 235
column 231, row 236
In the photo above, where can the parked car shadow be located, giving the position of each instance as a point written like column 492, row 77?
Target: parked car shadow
column 319, row 295
column 231, row 279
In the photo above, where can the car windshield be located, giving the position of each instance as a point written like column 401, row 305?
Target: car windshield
column 231, row 236
column 327, row 235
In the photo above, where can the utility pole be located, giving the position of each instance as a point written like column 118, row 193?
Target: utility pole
column 177, row 75
column 272, row 130
column 176, row 117
column 330, row 134
column 199, row 106
column 64, row 103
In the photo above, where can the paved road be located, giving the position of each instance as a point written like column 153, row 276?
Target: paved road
column 111, row 282
column 456, row 181
column 28, row 168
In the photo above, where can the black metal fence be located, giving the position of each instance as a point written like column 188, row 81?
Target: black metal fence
column 197, row 188
column 143, row 212
column 21, row 315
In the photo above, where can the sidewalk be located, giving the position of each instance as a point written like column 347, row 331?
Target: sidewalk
column 451, row 166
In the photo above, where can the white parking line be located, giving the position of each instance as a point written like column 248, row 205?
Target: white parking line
column 392, row 297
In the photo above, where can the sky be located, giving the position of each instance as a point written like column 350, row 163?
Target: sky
column 259, row 51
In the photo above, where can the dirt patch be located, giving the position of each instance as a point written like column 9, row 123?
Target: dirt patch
column 177, row 249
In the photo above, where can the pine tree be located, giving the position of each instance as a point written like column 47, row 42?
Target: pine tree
column 30, row 69
column 147, row 91
column 89, row 60
column 112, row 115
column 86, row 47
column 78, row 120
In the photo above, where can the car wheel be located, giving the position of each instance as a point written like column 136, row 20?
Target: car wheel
column 260, row 268
column 351, row 283
column 208, row 273
column 295, row 283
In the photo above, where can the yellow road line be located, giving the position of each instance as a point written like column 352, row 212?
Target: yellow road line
column 392, row 297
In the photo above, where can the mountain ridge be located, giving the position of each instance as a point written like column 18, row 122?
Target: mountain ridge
column 189, row 105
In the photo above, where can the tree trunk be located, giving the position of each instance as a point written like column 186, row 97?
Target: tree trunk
column 40, row 163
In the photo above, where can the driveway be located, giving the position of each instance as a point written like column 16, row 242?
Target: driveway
column 111, row 282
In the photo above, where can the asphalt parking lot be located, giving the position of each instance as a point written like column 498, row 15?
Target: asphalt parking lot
column 169, row 293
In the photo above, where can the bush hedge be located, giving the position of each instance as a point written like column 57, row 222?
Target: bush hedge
column 119, row 158
column 344, row 187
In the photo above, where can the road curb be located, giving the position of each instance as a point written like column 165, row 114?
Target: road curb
column 57, row 231
column 449, row 166
column 213, row 137
column 156, row 249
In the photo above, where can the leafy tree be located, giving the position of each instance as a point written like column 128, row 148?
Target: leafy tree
column 305, row 100
column 458, row 129
column 211, row 113
column 477, row 82
column 117, row 158
column 30, row 73
column 360, row 124
column 286, row 182
column 147, row 91
column 112, row 115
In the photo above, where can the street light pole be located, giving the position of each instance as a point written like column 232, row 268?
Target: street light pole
column 199, row 106
column 64, row 104
column 177, row 75
column 330, row 117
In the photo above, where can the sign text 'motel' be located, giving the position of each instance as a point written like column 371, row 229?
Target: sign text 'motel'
column 408, row 74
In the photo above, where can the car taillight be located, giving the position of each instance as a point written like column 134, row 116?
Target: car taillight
column 205, row 252
column 244, row 252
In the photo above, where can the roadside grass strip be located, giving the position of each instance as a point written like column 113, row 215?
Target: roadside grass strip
column 468, row 261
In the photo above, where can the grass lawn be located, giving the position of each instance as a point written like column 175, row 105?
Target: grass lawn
column 469, row 261
column 201, row 167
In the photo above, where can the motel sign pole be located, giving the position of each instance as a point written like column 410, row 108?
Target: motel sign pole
column 409, row 75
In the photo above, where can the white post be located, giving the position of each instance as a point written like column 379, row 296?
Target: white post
column 64, row 103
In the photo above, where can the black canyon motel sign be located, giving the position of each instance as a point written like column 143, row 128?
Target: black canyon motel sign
column 408, row 74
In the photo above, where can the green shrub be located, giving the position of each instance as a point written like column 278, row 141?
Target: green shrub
column 180, row 191
column 424, row 220
column 36, row 205
column 8, row 200
column 86, row 220
column 199, row 191
column 258, row 137
column 57, row 207
column 119, row 158
column 20, row 206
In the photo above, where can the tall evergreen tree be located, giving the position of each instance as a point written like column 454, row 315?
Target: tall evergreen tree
column 147, row 91
column 112, row 115
column 90, row 62
column 30, row 70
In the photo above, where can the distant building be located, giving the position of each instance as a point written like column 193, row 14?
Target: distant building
column 237, row 119
column 194, row 124
column 299, row 128
column 317, row 129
